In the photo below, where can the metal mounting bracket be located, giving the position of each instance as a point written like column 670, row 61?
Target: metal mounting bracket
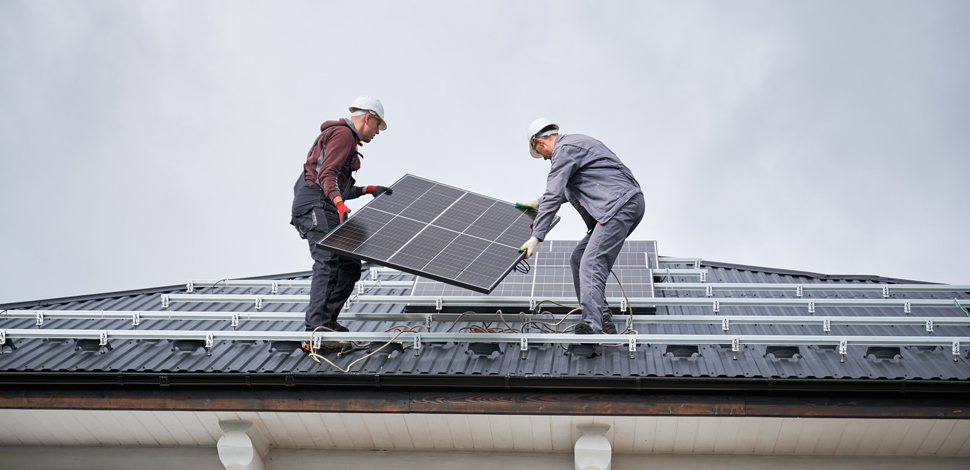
column 234, row 320
column 3, row 337
column 735, row 346
column 533, row 305
column 373, row 274
column 164, row 302
column 623, row 305
column 799, row 291
column 190, row 287
column 438, row 303
column 827, row 325
column 417, row 344
column 717, row 306
column 259, row 303
column 956, row 350
column 632, row 346
column 929, row 326
column 703, row 276
column 275, row 288
column 885, row 292
column 103, row 340
column 811, row 307
column 39, row 318
column 524, row 344
column 843, row 349
column 428, row 320
column 710, row 291
column 907, row 308
column 725, row 324
column 135, row 319
column 209, row 341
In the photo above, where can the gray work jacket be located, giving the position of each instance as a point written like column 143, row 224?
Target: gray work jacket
column 588, row 175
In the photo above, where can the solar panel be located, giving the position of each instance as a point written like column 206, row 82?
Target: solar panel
column 551, row 275
column 438, row 232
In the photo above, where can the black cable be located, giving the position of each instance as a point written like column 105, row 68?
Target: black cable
column 522, row 266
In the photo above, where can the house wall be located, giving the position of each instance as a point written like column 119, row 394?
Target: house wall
column 112, row 458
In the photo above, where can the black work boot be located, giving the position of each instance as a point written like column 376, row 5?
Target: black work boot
column 582, row 328
column 609, row 327
column 333, row 325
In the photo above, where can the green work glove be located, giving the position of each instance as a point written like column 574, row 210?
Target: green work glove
column 534, row 205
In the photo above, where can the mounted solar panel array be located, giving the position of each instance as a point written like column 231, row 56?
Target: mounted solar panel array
column 551, row 275
column 438, row 232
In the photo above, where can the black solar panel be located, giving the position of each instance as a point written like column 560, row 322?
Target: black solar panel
column 551, row 275
column 438, row 232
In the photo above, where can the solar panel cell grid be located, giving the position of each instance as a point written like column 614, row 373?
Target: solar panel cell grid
column 436, row 231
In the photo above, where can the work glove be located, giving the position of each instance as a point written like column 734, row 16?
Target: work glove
column 529, row 246
column 534, row 205
column 343, row 211
column 378, row 190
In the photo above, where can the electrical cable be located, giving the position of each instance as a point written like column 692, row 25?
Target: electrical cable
column 519, row 268
column 961, row 306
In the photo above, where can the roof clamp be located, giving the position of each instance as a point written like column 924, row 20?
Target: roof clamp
column 136, row 319
column 811, row 307
column 955, row 350
column 234, row 320
column 843, row 349
column 360, row 288
column 39, row 318
column 717, row 306
column 632, row 345
column 929, row 326
column 827, row 325
column 428, row 320
column 725, row 324
column 907, row 308
column 209, row 340
column 524, row 344
column 103, row 340
column 735, row 346
column 259, row 303
column 533, row 305
column 275, row 287
column 417, row 345
column 350, row 301
column 317, row 341
column 710, row 291
column 164, row 301
column 438, row 303
column 373, row 274
column 623, row 305
column 799, row 291
column 3, row 337
column 704, row 276
column 189, row 287
column 885, row 292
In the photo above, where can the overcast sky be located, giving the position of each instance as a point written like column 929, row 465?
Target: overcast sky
column 148, row 143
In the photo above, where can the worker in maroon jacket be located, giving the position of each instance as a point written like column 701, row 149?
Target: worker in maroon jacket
column 318, row 206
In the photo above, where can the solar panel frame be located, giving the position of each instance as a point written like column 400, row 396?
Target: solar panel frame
column 437, row 231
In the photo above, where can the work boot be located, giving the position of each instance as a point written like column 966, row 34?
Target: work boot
column 333, row 325
column 609, row 327
column 582, row 328
column 326, row 347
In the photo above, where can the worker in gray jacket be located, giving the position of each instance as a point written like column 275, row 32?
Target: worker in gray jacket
column 608, row 198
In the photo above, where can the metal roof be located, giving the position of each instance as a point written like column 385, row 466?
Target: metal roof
column 539, row 363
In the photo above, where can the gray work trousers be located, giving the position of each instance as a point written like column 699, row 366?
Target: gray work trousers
column 334, row 276
column 593, row 259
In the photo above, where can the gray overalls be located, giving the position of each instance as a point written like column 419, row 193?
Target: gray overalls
column 608, row 198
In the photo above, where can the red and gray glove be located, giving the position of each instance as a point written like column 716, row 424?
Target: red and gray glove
column 342, row 211
column 378, row 190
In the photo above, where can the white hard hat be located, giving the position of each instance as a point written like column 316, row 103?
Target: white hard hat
column 536, row 127
column 369, row 103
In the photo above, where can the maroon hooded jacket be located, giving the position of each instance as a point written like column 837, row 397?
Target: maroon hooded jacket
column 329, row 167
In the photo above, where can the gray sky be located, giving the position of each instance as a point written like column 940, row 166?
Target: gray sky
column 149, row 143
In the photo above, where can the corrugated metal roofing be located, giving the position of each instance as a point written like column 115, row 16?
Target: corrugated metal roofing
column 540, row 361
